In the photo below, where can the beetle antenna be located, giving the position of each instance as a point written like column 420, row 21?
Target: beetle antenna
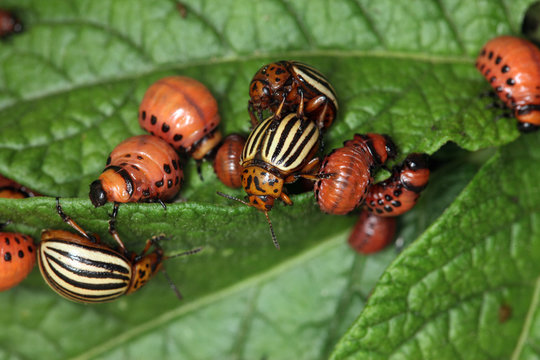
column 230, row 197
column 171, row 284
column 189, row 252
column 169, row 280
column 274, row 239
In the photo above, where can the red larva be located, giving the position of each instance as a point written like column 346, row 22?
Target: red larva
column 512, row 66
column 181, row 111
column 141, row 168
column 227, row 161
column 13, row 190
column 9, row 24
column 399, row 193
column 17, row 258
column 346, row 173
column 372, row 233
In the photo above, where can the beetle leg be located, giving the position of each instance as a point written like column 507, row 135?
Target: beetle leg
column 277, row 115
column 251, row 111
column 112, row 228
column 307, row 172
column 300, row 111
column 316, row 103
column 285, row 198
column 162, row 203
column 312, row 166
column 70, row 221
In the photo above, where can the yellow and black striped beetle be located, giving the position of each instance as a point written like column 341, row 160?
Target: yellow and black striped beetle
column 278, row 151
column 295, row 86
column 82, row 269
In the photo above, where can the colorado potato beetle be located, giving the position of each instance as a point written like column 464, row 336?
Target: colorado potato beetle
column 141, row 168
column 277, row 151
column 297, row 87
column 347, row 173
column 227, row 161
column 9, row 24
column 13, row 190
column 399, row 193
column 17, row 258
column 372, row 233
column 512, row 67
column 184, row 113
column 80, row 268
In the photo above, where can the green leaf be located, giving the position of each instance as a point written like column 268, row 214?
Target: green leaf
column 70, row 87
column 444, row 295
column 311, row 298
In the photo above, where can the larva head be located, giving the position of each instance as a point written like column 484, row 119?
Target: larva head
column 528, row 117
column 111, row 186
column 414, row 174
column 381, row 147
column 98, row 196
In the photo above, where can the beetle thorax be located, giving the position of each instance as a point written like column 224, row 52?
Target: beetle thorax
column 144, row 269
column 262, row 187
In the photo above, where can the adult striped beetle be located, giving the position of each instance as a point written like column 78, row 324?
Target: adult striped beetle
column 80, row 268
column 297, row 87
column 277, row 152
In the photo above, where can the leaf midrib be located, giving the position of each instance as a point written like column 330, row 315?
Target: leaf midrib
column 528, row 321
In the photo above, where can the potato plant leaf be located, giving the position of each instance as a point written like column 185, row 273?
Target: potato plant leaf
column 70, row 87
